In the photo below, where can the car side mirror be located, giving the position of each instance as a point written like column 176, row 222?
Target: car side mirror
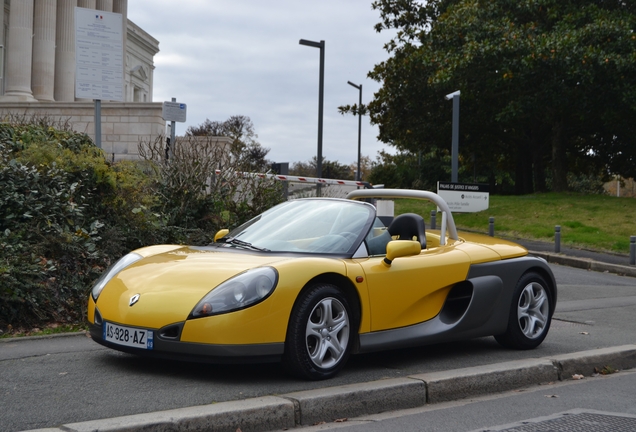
column 401, row 248
column 221, row 233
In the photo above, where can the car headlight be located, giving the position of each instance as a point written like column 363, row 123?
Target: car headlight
column 244, row 290
column 111, row 271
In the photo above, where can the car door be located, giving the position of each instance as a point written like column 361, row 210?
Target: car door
column 412, row 289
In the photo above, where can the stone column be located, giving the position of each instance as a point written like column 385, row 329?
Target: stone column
column 121, row 7
column 2, row 72
column 88, row 4
column 43, row 77
column 105, row 5
column 19, row 52
column 65, row 51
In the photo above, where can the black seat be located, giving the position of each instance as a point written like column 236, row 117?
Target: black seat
column 409, row 225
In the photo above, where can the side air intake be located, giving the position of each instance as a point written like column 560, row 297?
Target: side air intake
column 457, row 302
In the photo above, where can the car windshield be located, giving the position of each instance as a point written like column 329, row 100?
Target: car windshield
column 306, row 225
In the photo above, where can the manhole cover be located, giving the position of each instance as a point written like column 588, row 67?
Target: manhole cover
column 573, row 421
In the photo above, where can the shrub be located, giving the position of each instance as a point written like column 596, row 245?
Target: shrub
column 203, row 187
column 48, row 247
column 63, row 219
column 66, row 213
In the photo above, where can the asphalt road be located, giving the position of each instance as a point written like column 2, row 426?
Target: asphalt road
column 48, row 382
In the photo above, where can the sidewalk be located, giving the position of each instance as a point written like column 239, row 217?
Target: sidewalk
column 580, row 258
column 548, row 247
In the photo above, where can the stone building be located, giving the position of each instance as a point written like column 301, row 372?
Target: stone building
column 37, row 73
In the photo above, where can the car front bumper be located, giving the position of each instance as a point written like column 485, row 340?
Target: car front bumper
column 196, row 352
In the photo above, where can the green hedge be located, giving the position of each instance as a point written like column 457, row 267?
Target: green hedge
column 66, row 214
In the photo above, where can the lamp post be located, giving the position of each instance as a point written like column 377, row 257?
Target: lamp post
column 359, row 87
column 321, row 92
column 455, row 148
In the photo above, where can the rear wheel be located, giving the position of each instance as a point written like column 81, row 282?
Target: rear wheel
column 530, row 313
column 319, row 336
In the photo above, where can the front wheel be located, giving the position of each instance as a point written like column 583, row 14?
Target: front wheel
column 530, row 313
column 319, row 336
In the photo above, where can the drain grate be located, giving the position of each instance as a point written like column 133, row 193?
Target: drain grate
column 573, row 421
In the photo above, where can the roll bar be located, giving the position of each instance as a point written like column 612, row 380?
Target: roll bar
column 448, row 223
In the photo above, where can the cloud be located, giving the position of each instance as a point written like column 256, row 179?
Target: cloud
column 243, row 57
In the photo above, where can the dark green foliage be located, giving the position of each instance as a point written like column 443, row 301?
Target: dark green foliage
column 330, row 169
column 410, row 171
column 586, row 183
column 548, row 87
column 49, row 234
column 66, row 214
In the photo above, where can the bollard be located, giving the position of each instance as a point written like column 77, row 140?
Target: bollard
column 491, row 226
column 433, row 219
column 557, row 238
column 632, row 250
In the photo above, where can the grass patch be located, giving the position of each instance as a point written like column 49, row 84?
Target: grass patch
column 597, row 222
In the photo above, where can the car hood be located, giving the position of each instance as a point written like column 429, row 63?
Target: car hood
column 171, row 282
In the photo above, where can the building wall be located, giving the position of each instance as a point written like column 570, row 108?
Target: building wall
column 621, row 187
column 140, row 51
column 124, row 125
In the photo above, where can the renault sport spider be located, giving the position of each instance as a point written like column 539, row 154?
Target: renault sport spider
column 312, row 281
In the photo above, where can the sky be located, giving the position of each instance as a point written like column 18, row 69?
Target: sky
column 243, row 57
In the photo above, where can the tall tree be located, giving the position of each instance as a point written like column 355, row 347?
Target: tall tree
column 548, row 86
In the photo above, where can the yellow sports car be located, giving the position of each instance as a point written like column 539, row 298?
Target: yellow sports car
column 311, row 281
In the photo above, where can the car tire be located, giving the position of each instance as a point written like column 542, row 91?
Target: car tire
column 530, row 313
column 320, row 333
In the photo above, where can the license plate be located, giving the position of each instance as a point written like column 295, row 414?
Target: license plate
column 128, row 336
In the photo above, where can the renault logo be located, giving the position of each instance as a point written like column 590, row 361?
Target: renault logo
column 134, row 299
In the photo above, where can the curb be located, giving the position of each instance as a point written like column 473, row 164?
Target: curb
column 329, row 404
column 48, row 336
column 586, row 263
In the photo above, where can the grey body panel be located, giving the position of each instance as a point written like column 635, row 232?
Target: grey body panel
column 487, row 314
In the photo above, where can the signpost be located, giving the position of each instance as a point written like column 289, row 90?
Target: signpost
column 99, row 59
column 464, row 197
column 455, row 144
column 173, row 112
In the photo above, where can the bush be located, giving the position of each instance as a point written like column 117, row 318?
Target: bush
column 48, row 246
column 204, row 186
column 586, row 183
column 66, row 214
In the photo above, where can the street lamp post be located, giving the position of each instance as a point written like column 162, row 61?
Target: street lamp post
column 321, row 92
column 359, row 87
column 455, row 147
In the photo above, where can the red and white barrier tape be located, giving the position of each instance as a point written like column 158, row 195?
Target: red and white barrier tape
column 299, row 179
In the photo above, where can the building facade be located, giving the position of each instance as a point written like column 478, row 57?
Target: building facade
column 37, row 72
